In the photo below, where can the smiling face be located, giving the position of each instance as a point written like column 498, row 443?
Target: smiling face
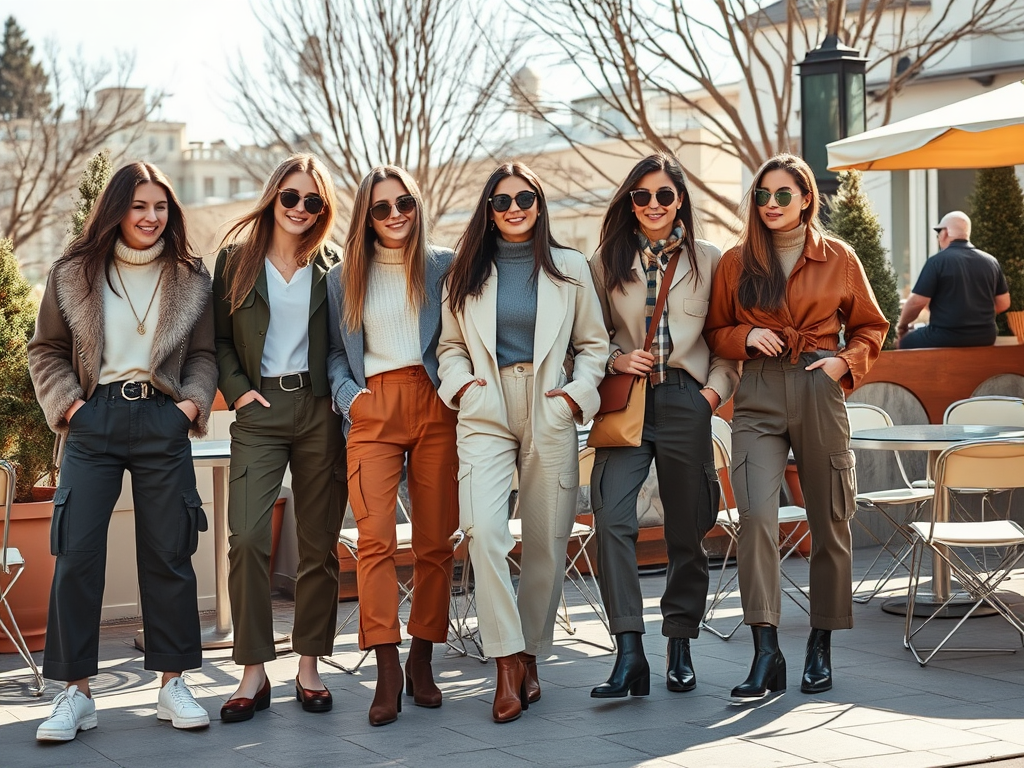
column 775, row 217
column 395, row 230
column 146, row 219
column 515, row 224
column 295, row 221
column 655, row 219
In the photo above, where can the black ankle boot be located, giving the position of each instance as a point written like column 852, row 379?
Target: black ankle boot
column 768, row 671
column 818, row 663
column 680, row 676
column 631, row 673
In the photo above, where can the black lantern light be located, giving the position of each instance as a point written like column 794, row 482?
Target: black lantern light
column 831, row 104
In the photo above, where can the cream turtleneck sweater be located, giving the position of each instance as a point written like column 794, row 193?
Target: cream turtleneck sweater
column 391, row 323
column 126, row 352
column 788, row 247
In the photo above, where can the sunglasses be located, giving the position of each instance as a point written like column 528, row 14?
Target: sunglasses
column 313, row 203
column 502, row 203
column 642, row 197
column 382, row 211
column 782, row 196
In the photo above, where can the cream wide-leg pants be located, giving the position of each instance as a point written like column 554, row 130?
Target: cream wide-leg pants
column 491, row 450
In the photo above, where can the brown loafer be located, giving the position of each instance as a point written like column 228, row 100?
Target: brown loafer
column 240, row 709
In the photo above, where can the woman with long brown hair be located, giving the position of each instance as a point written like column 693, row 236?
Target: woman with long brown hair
column 385, row 318
column 779, row 302
column 122, row 361
column 647, row 237
column 517, row 301
column 270, row 309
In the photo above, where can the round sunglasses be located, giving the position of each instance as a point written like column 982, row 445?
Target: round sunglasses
column 382, row 211
column 782, row 196
column 312, row 202
column 642, row 197
column 502, row 203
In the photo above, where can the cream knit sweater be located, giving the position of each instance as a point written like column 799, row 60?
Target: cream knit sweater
column 391, row 337
column 126, row 352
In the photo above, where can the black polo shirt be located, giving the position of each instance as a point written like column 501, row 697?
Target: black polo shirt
column 962, row 283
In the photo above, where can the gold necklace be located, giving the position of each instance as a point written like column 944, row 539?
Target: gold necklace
column 141, row 327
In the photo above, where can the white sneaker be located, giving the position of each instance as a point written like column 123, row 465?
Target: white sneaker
column 72, row 712
column 177, row 704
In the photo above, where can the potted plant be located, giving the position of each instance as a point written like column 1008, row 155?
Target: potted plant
column 997, row 226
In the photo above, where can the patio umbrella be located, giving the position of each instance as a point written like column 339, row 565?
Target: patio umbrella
column 985, row 131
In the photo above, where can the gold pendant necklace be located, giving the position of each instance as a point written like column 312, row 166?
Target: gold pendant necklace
column 141, row 327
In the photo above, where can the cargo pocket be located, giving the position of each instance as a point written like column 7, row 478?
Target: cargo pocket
column 238, row 507
column 844, row 485
column 739, row 482
column 465, row 479
column 568, row 500
column 192, row 523
column 355, row 493
column 596, row 474
column 710, row 493
column 59, row 523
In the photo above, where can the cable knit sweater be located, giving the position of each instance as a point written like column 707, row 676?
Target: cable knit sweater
column 390, row 320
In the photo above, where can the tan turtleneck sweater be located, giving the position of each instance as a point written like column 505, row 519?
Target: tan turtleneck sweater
column 391, row 324
column 126, row 352
column 788, row 247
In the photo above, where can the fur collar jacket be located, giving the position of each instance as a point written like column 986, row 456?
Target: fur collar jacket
column 66, row 351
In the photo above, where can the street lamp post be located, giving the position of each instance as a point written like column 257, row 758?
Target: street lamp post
column 831, row 104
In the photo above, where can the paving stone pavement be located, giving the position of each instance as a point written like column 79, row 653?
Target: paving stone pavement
column 885, row 710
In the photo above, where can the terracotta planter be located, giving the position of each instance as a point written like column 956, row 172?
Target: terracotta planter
column 1015, row 320
column 30, row 598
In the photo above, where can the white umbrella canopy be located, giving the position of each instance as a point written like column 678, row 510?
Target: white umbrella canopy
column 985, row 131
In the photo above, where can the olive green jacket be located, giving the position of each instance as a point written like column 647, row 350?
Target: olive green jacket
column 240, row 335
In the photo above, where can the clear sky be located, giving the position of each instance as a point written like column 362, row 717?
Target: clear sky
column 183, row 47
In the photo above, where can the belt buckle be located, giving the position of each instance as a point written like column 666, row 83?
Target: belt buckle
column 143, row 388
column 280, row 382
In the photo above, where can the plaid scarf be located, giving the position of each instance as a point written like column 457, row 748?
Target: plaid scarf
column 656, row 257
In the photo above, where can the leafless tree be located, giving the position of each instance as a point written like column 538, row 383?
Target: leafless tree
column 42, row 156
column 364, row 82
column 633, row 53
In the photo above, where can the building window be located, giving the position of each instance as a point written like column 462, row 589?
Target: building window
column 234, row 186
column 170, row 143
column 208, row 186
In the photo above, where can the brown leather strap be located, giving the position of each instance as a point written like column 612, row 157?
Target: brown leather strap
column 659, row 305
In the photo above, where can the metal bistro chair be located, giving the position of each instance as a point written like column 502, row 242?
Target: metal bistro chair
column 976, row 466
column 13, row 566
column 729, row 521
column 912, row 500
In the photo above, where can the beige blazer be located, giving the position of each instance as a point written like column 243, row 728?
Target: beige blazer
column 625, row 317
column 567, row 313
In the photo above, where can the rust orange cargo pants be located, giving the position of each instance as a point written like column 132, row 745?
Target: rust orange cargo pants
column 401, row 422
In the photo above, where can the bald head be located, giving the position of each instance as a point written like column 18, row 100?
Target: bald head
column 957, row 225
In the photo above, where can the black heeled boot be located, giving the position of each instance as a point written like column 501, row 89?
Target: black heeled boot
column 631, row 673
column 768, row 671
column 680, row 677
column 818, row 663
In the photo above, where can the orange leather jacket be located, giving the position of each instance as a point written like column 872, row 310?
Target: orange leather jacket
column 827, row 291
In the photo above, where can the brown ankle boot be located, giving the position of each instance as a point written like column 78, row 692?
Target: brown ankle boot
column 387, row 700
column 532, row 681
column 419, row 677
column 510, row 690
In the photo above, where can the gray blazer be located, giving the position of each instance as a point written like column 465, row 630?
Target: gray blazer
column 345, row 370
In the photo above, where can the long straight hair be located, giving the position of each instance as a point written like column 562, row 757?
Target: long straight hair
column 253, row 233
column 476, row 249
column 94, row 248
column 359, row 246
column 619, row 236
column 762, row 282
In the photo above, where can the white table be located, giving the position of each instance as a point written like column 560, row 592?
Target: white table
column 933, row 438
column 217, row 454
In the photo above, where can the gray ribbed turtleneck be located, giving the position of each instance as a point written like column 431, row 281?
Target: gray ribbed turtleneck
column 517, row 302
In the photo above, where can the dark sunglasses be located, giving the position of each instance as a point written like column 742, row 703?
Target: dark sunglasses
column 382, row 211
column 313, row 203
column 642, row 197
column 524, row 200
column 782, row 196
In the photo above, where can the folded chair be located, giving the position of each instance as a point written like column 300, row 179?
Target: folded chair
column 13, row 566
column 896, row 548
column 982, row 466
column 729, row 521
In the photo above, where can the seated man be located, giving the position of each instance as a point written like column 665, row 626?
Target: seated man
column 963, row 288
